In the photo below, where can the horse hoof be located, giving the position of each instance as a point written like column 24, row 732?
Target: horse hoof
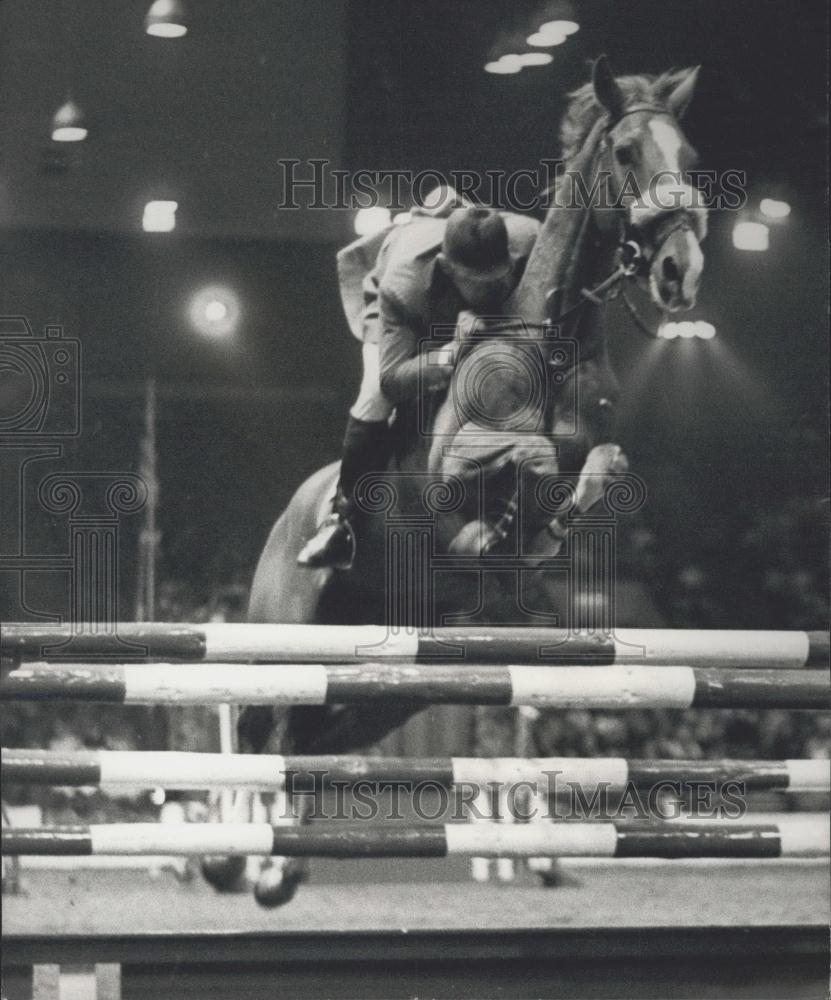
column 224, row 874
column 278, row 883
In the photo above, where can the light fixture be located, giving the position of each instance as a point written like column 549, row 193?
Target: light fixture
column 774, row 209
column 215, row 311
column 68, row 124
column 559, row 28
column 535, row 58
column 166, row 19
column 687, row 329
column 545, row 40
column 506, row 64
column 159, row 216
column 753, row 236
column 371, row 220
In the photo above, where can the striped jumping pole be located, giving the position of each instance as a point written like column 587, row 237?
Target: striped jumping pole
column 241, row 643
column 806, row 837
column 263, row 773
column 613, row 687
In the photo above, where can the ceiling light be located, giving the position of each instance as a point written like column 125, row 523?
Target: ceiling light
column 774, row 209
column 215, row 311
column 535, row 58
column 544, row 40
column 687, row 329
column 159, row 216
column 68, row 123
column 751, row 236
column 371, row 220
column 559, row 28
column 506, row 64
column 166, row 19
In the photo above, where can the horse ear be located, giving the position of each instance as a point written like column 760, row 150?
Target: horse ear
column 606, row 88
column 683, row 92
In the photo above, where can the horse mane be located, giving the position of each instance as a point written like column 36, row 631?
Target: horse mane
column 583, row 110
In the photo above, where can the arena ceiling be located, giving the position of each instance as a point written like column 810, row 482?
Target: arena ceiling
column 374, row 84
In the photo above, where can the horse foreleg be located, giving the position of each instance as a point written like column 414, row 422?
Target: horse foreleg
column 602, row 464
column 280, row 876
column 584, row 427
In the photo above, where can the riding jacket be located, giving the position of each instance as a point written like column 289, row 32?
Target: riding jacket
column 417, row 305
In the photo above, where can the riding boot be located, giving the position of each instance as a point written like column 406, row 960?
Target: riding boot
column 366, row 448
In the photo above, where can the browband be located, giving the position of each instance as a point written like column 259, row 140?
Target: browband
column 634, row 109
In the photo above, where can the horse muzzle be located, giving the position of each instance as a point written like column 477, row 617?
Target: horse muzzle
column 675, row 270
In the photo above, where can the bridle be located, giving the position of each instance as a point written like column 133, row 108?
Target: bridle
column 634, row 252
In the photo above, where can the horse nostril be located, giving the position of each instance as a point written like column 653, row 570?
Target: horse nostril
column 671, row 272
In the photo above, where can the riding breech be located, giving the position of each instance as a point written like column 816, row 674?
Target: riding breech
column 371, row 405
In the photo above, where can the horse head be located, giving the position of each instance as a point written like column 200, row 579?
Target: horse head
column 646, row 157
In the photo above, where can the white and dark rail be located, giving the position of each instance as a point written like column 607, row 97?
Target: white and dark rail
column 112, row 770
column 543, row 686
column 804, row 837
column 251, row 643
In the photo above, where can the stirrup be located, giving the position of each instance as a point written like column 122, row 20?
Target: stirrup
column 332, row 547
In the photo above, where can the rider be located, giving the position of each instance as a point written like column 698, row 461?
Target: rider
column 426, row 273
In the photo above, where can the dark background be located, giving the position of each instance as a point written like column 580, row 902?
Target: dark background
column 730, row 435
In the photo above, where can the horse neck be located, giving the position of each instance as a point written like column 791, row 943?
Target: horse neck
column 559, row 258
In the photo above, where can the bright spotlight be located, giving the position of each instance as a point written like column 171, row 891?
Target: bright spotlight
column 687, row 329
column 68, row 123
column 535, row 58
column 371, row 220
column 159, row 216
column 545, row 41
column 753, row 236
column 506, row 64
column 214, row 311
column 559, row 28
column 166, row 19
column 774, row 209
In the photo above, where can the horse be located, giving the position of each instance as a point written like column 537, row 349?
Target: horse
column 621, row 211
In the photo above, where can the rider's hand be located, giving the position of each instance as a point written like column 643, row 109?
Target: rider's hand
column 468, row 323
column 441, row 362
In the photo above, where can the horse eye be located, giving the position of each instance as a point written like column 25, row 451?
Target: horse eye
column 624, row 156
